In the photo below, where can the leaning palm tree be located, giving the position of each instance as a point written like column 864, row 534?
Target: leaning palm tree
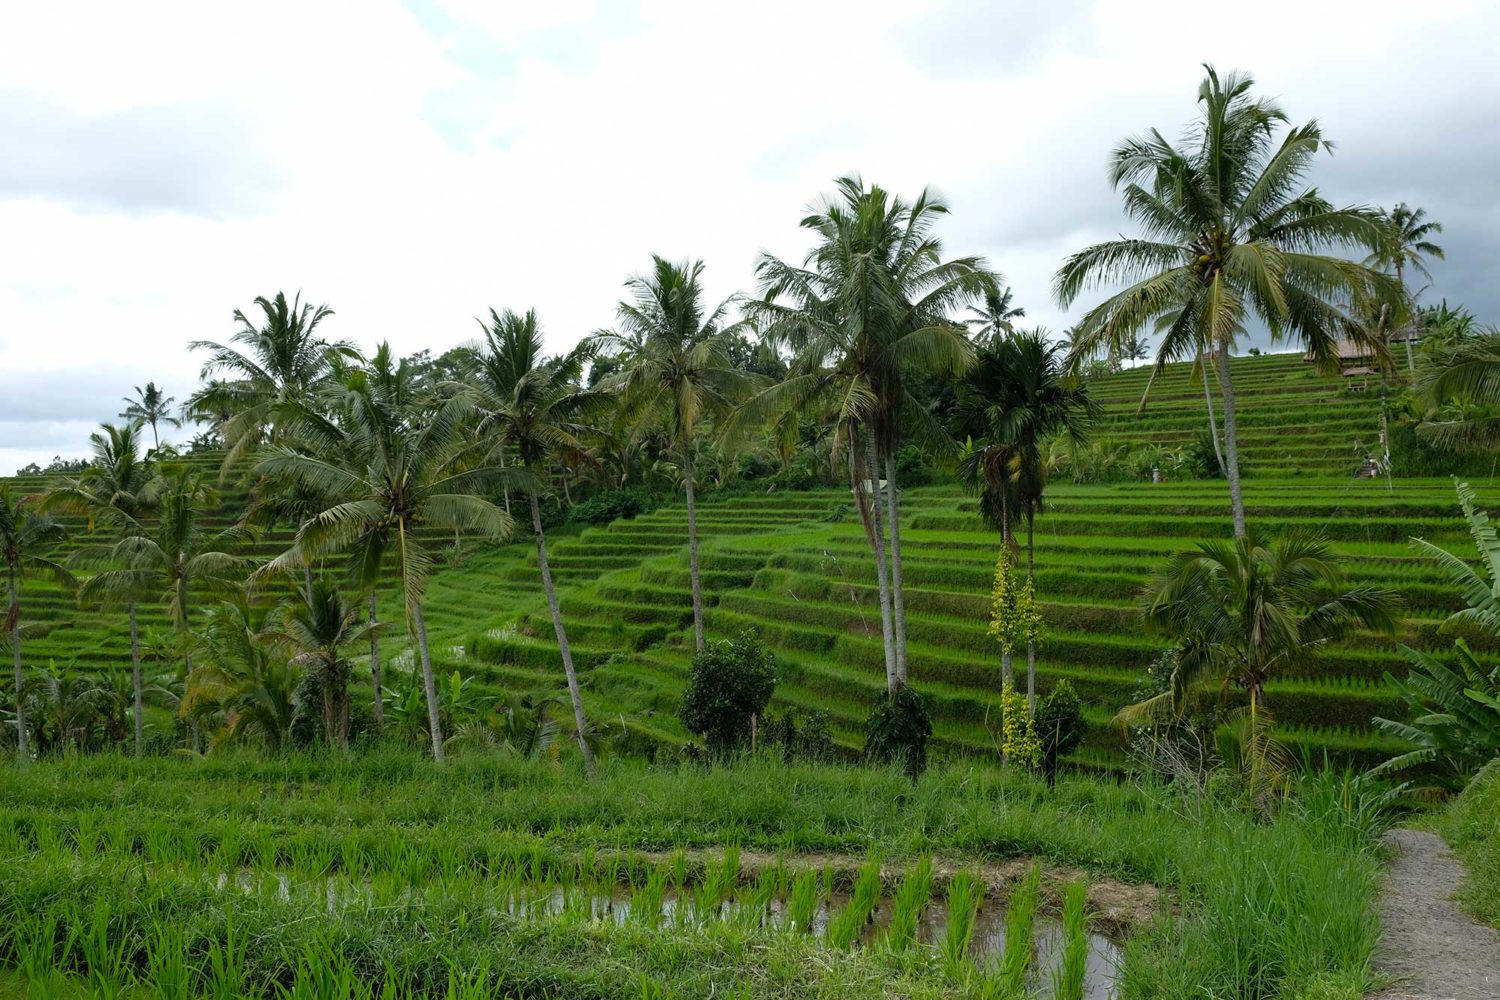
column 533, row 406
column 26, row 535
column 1241, row 612
column 872, row 302
column 384, row 472
column 676, row 366
column 1017, row 397
column 280, row 360
column 174, row 559
column 117, row 490
column 1407, row 242
column 316, row 630
column 150, row 405
column 1228, row 235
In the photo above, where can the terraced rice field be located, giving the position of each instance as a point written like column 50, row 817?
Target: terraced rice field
column 795, row 566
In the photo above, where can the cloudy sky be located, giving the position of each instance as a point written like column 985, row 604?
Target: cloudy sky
column 414, row 164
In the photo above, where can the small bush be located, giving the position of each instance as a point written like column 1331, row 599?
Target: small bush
column 812, row 742
column 1059, row 726
column 610, row 505
column 730, row 685
column 899, row 729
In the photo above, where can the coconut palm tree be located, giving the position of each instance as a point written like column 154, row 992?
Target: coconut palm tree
column 1406, row 242
column 676, row 366
column 997, row 316
column 1228, row 235
column 1011, row 403
column 25, row 536
column 174, row 558
column 872, row 301
column 384, row 472
column 117, row 490
column 281, row 360
column 241, row 677
column 151, row 406
column 1241, row 612
column 1460, row 382
column 316, row 630
column 532, row 405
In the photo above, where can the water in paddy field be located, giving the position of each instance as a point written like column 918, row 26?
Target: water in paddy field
column 985, row 946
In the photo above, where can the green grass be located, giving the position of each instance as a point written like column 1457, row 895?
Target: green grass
column 404, row 868
column 1471, row 824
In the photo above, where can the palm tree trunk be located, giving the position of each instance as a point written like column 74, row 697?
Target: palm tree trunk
column 887, row 626
column 13, row 614
column 562, row 637
column 307, row 582
column 1031, row 579
column 898, row 599
column 1231, row 444
column 1208, row 399
column 135, row 678
column 375, row 670
column 692, row 519
column 429, row 683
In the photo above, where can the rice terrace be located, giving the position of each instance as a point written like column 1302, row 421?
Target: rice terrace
column 850, row 634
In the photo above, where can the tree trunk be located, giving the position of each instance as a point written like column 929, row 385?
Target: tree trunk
column 429, row 683
column 1031, row 579
column 13, row 613
column 898, row 599
column 1007, row 665
column 562, row 637
column 692, row 521
column 1411, row 364
column 1231, row 444
column 307, row 582
column 135, row 678
column 1213, row 427
column 375, row 670
column 887, row 627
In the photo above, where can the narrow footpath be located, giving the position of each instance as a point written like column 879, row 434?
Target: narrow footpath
column 1433, row 949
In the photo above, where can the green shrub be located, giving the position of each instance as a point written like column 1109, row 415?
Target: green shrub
column 1060, row 726
column 899, row 729
column 729, row 686
column 610, row 505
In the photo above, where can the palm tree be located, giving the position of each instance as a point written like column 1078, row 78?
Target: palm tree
column 675, row 364
column 152, row 406
column 118, row 490
column 242, row 675
column 1406, row 242
column 282, row 360
column 1017, row 397
column 1228, row 235
column 24, row 535
column 1460, row 383
column 1241, row 612
column 317, row 629
column 384, row 472
column 173, row 559
column 534, row 406
column 997, row 316
column 871, row 303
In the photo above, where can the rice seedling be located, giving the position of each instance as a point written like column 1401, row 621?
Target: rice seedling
column 169, row 974
column 1020, row 915
column 1068, row 975
column 906, row 909
column 965, row 892
column 802, row 904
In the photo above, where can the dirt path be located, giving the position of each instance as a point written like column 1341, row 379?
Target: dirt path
column 1435, row 951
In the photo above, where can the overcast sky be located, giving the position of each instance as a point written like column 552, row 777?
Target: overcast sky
column 414, row 164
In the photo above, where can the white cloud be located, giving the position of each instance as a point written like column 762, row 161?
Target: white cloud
column 413, row 167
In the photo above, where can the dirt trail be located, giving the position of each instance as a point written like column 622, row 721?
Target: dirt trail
column 1435, row 951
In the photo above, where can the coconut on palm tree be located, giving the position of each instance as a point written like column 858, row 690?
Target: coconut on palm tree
column 280, row 358
column 675, row 366
column 533, row 406
column 384, row 472
column 26, row 540
column 872, row 301
column 117, row 490
column 150, row 405
column 1016, row 398
column 1229, row 236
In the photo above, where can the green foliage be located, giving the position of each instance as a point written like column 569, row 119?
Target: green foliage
column 1015, row 615
column 1059, row 725
column 729, row 686
column 609, row 505
column 1019, row 744
column 1471, row 825
column 899, row 727
column 1454, row 714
